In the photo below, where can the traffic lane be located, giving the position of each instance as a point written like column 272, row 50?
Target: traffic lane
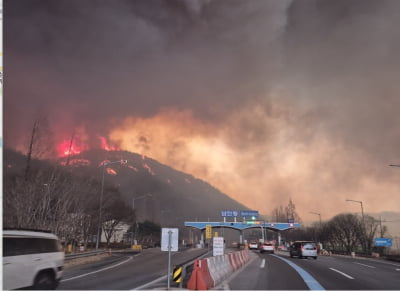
column 374, row 274
column 266, row 272
column 141, row 269
column 132, row 273
column 344, row 273
column 92, row 265
column 381, row 264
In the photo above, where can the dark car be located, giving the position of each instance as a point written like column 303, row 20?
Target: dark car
column 303, row 249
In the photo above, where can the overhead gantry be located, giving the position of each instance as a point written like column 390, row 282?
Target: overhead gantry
column 240, row 226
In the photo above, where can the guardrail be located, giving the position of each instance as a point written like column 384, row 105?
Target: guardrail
column 84, row 254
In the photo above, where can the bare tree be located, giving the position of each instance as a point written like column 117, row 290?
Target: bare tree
column 345, row 231
column 279, row 214
column 291, row 212
column 115, row 212
column 39, row 143
column 371, row 229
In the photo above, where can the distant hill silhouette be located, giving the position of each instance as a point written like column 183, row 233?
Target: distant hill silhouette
column 159, row 193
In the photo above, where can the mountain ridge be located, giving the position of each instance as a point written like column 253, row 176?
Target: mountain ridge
column 158, row 192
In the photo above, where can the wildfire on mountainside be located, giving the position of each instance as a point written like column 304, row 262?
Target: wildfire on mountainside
column 133, row 168
column 77, row 162
column 70, row 148
column 146, row 166
column 111, row 171
column 77, row 145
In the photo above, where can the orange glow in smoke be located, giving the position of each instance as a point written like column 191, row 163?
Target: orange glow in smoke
column 105, row 145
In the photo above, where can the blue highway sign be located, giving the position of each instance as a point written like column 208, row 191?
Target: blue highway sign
column 383, row 242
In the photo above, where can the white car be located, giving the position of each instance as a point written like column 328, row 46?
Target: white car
column 31, row 259
column 267, row 247
column 253, row 245
column 304, row 249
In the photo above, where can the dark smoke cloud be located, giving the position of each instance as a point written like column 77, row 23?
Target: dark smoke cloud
column 139, row 55
column 315, row 78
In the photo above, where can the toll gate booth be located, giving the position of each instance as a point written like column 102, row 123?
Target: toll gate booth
column 241, row 226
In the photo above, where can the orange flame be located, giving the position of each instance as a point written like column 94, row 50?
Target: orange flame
column 146, row 166
column 66, row 148
column 133, row 168
column 79, row 144
column 111, row 171
column 105, row 145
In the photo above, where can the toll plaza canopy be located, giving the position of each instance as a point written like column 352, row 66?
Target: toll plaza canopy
column 276, row 226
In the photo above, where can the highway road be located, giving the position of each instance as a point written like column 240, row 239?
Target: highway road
column 280, row 272
column 147, row 270
column 125, row 271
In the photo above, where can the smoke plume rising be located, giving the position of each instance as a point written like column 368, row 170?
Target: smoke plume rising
column 266, row 100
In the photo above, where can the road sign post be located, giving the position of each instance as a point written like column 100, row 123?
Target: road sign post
column 169, row 243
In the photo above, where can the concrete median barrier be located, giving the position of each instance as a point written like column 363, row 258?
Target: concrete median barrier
column 209, row 272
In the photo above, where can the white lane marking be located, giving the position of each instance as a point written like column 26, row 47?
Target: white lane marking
column 397, row 269
column 366, row 265
column 100, row 270
column 262, row 264
column 344, row 274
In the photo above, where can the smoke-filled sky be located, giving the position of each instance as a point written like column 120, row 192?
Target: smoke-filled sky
column 265, row 100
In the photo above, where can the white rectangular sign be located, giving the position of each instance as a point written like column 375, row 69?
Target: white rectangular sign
column 218, row 246
column 169, row 239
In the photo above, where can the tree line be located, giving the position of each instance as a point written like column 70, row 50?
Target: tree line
column 50, row 197
column 344, row 233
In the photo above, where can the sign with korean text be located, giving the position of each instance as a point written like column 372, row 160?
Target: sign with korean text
column 218, row 246
column 383, row 242
column 229, row 213
column 208, row 231
column 248, row 213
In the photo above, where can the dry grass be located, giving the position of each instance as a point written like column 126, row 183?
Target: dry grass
column 84, row 260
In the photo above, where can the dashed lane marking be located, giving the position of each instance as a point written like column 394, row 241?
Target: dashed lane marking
column 341, row 273
column 366, row 265
column 262, row 264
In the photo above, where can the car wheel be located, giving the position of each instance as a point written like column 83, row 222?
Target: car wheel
column 291, row 255
column 315, row 258
column 44, row 281
column 300, row 257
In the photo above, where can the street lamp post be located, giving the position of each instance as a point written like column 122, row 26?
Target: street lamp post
column 133, row 207
column 262, row 231
column 105, row 164
column 362, row 209
column 362, row 215
column 320, row 221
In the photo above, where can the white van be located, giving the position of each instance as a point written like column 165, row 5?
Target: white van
column 31, row 259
